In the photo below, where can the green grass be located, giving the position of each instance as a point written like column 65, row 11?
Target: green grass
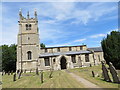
column 86, row 73
column 60, row 80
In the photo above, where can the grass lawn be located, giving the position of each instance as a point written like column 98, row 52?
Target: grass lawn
column 30, row 80
column 86, row 73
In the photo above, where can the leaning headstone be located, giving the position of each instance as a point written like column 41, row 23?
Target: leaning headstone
column 37, row 73
column 51, row 72
column 41, row 77
column 93, row 74
column 105, row 73
column 19, row 75
column 114, row 73
column 14, row 77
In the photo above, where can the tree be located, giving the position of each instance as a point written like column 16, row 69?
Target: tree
column 111, row 48
column 42, row 45
column 9, row 57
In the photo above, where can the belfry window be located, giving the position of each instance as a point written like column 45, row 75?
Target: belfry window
column 70, row 49
column 58, row 49
column 47, row 61
column 28, row 26
column 29, row 54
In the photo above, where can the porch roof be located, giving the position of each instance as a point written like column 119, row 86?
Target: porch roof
column 63, row 53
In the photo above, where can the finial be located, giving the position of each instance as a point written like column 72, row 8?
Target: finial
column 28, row 15
column 35, row 13
column 20, row 13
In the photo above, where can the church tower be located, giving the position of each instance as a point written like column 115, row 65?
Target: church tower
column 28, row 45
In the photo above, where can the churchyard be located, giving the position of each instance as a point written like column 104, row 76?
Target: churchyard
column 59, row 79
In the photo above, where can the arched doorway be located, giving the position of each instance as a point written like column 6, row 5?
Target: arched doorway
column 63, row 63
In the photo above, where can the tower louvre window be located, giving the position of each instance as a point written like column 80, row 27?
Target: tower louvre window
column 29, row 54
column 70, row 49
column 28, row 26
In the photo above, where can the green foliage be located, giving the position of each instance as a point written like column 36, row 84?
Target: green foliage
column 111, row 48
column 42, row 45
column 9, row 57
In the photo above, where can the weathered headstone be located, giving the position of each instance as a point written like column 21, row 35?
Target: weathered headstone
column 12, row 72
column 41, row 76
column 90, row 65
column 105, row 73
column 25, row 71
column 114, row 73
column 37, row 73
column 18, row 71
column 8, row 72
column 51, row 72
column 19, row 75
column 14, row 77
column 30, row 70
column 3, row 72
column 93, row 74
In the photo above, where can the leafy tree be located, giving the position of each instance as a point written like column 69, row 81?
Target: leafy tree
column 111, row 48
column 42, row 45
column 9, row 57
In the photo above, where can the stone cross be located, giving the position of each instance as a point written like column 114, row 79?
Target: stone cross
column 105, row 73
column 14, row 77
column 114, row 73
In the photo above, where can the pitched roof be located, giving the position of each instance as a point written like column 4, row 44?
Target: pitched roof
column 63, row 53
column 96, row 49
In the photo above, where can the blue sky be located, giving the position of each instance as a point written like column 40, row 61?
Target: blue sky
column 63, row 23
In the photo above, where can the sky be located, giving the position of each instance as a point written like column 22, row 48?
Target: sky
column 62, row 23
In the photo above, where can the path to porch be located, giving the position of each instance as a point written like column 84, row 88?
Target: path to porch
column 85, row 82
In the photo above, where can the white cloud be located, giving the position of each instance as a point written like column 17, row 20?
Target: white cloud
column 98, row 35
column 80, row 40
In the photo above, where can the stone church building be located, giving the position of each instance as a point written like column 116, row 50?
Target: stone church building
column 31, row 56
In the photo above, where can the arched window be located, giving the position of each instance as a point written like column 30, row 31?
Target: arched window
column 28, row 26
column 29, row 54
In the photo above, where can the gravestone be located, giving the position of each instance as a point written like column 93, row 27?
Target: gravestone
column 3, row 72
column 114, row 73
column 19, row 75
column 18, row 71
column 41, row 76
column 105, row 73
column 25, row 71
column 37, row 73
column 12, row 72
column 93, row 74
column 90, row 65
column 8, row 72
column 30, row 70
column 14, row 77
column 51, row 72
